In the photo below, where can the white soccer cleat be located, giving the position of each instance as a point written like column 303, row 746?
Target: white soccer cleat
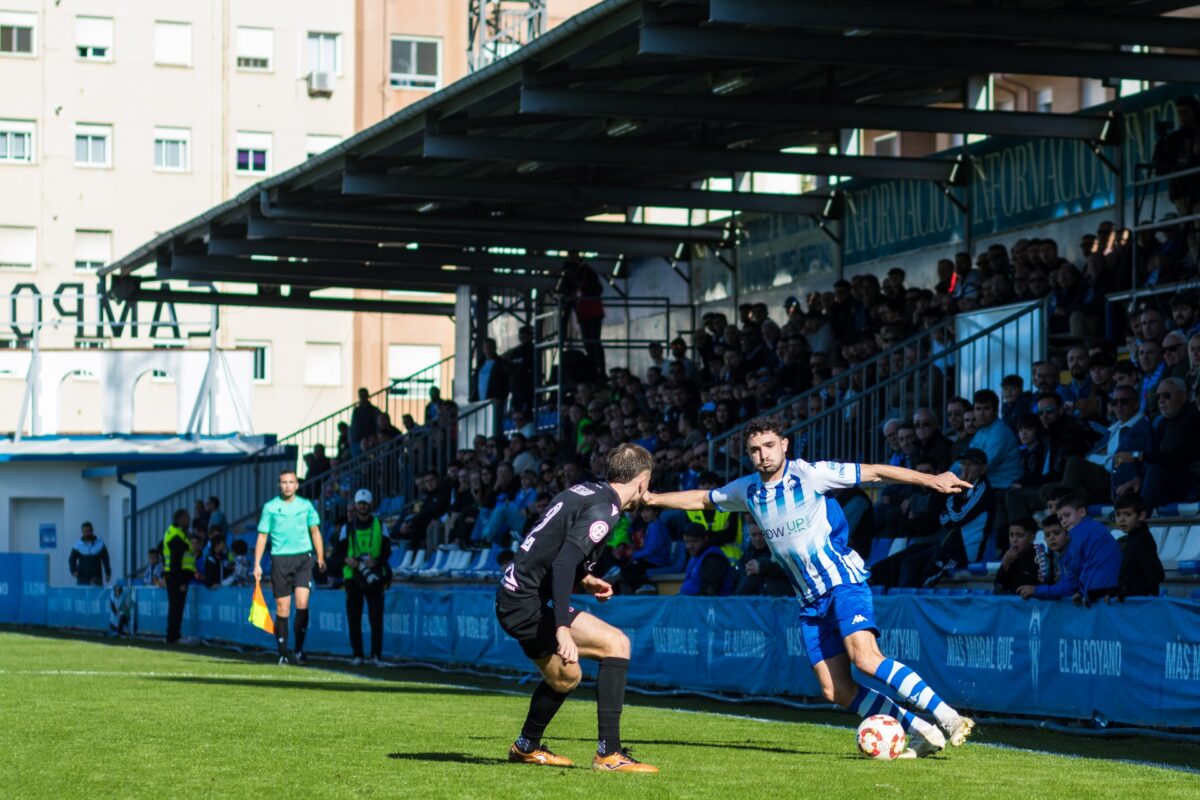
column 356, row 661
column 958, row 730
column 922, row 745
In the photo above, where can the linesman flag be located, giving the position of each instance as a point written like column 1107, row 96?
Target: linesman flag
column 260, row 615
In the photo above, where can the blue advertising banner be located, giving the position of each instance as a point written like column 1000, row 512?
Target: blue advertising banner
column 47, row 536
column 1136, row 662
column 1015, row 182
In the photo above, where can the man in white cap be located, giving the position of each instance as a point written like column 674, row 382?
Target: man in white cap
column 365, row 549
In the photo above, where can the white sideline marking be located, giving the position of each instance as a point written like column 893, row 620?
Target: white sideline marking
column 92, row 673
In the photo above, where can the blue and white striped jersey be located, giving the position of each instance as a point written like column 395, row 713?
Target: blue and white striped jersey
column 806, row 531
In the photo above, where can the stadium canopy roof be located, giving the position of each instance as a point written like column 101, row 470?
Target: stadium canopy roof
column 636, row 103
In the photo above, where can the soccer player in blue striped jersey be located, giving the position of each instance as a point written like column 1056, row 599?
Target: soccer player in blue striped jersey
column 807, row 533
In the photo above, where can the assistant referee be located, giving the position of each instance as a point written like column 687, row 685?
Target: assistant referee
column 291, row 522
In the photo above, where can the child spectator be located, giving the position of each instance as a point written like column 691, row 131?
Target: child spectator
column 152, row 574
column 1090, row 563
column 120, row 604
column 1019, row 566
column 1141, row 569
column 241, row 565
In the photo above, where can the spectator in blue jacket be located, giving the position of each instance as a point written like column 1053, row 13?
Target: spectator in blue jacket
column 1090, row 564
column 707, row 571
column 996, row 440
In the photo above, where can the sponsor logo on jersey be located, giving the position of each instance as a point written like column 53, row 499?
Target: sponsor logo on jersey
column 582, row 490
column 598, row 530
column 615, row 511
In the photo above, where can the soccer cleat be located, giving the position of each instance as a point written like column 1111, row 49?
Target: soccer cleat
column 922, row 745
column 540, row 755
column 283, row 661
column 376, row 661
column 300, row 659
column 958, row 730
column 356, row 661
column 620, row 761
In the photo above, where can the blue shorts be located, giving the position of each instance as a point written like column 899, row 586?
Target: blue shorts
column 825, row 623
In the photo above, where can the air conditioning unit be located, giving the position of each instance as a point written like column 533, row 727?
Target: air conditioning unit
column 320, row 84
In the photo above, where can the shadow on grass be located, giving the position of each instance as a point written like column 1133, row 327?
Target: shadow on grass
column 380, row 687
column 447, row 758
column 751, row 746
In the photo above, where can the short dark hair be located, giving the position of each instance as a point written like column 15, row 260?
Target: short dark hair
column 1024, row 523
column 87, row 525
column 1048, row 396
column 627, row 461
column 286, row 471
column 1103, row 358
column 1072, row 500
column 1028, row 420
column 765, row 425
column 1056, row 496
column 962, row 401
column 1131, row 500
column 217, row 502
column 987, row 397
column 708, row 476
column 179, row 514
column 1013, row 380
column 1051, row 520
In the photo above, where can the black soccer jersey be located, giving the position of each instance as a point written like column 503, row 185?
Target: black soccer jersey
column 581, row 518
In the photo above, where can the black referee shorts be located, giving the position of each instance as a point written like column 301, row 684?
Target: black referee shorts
column 289, row 573
column 533, row 627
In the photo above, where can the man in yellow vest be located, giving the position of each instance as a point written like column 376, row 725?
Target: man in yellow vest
column 365, row 549
column 725, row 529
column 179, row 567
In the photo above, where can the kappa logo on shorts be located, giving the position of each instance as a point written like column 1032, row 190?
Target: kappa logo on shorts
column 857, row 619
column 581, row 490
column 615, row 511
column 598, row 530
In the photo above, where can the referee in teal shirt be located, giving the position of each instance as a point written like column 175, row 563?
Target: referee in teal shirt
column 291, row 523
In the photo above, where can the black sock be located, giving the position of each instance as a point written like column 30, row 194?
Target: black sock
column 610, row 698
column 542, row 707
column 301, row 628
column 281, row 633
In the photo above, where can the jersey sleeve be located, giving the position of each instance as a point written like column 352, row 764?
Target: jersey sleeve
column 264, row 519
column 592, row 525
column 731, row 496
column 825, row 476
column 313, row 517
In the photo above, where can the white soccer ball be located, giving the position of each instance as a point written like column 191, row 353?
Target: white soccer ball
column 881, row 737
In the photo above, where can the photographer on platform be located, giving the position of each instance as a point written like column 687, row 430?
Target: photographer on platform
column 364, row 548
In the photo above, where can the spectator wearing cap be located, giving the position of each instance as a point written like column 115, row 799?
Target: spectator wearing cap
column 364, row 550
column 791, row 309
column 707, row 571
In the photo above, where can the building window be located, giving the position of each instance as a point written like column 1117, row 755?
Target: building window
column 255, row 46
column 93, row 145
column 173, row 43
column 1045, row 100
column 253, row 153
column 325, row 53
column 18, row 248
column 262, row 359
column 416, row 63
column 317, row 143
column 887, row 145
column 172, row 149
column 322, row 364
column 16, row 33
column 406, row 360
column 93, row 249
column 94, row 38
column 16, row 142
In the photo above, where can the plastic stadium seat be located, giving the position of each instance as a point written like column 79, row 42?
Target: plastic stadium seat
column 1189, row 509
column 902, row 590
column 1169, row 510
column 399, row 552
column 413, row 561
column 435, row 566
column 1195, row 594
column 1190, row 550
column 1174, row 543
column 880, row 548
column 678, row 559
column 1159, row 534
column 1189, row 567
column 473, row 564
column 898, row 544
column 878, row 589
column 1102, row 512
column 978, row 568
column 488, row 565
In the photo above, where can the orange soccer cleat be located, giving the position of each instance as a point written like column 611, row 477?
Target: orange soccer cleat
column 538, row 755
column 620, row 761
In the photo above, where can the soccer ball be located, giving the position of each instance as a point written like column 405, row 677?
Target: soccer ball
column 881, row 737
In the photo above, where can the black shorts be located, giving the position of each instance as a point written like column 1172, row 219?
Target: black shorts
column 533, row 627
column 289, row 573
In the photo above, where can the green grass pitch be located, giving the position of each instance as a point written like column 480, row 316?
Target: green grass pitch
column 88, row 718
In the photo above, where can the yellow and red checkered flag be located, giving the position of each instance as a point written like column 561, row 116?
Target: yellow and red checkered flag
column 260, row 615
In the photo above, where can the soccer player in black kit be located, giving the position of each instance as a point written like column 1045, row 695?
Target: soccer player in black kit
column 533, row 605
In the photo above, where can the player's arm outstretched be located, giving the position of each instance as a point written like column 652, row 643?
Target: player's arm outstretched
column 946, row 483
column 693, row 500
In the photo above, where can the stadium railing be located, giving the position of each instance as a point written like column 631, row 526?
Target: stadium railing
column 849, row 430
column 924, row 340
column 245, row 485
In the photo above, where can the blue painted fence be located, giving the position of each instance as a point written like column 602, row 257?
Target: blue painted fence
column 1137, row 662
